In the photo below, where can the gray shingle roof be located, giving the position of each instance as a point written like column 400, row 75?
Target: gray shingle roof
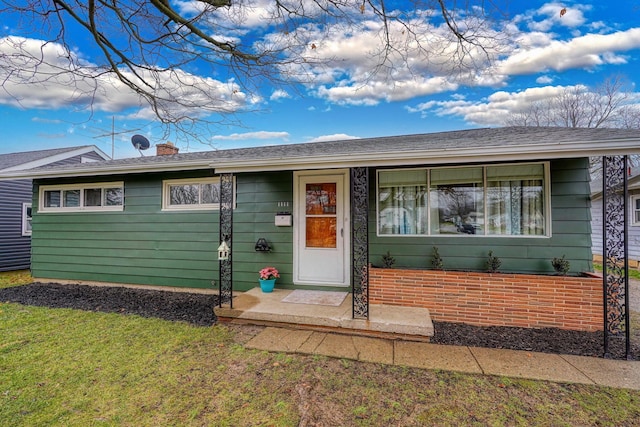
column 476, row 144
column 15, row 159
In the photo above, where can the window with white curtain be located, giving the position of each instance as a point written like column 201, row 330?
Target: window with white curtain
column 515, row 200
column 402, row 202
column 493, row 200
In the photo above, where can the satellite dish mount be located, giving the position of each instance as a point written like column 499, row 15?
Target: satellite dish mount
column 140, row 143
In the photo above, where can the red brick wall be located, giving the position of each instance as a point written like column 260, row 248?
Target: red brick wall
column 493, row 299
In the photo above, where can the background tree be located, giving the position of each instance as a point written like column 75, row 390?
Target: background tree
column 187, row 61
column 580, row 107
column 606, row 105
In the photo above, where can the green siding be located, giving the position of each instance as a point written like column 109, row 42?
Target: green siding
column 257, row 198
column 143, row 245
column 571, row 234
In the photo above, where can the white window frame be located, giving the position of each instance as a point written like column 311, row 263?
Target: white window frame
column 634, row 198
column 26, row 220
column 547, row 204
column 166, row 184
column 81, row 187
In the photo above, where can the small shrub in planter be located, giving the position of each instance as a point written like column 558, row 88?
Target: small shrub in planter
column 436, row 260
column 388, row 261
column 493, row 263
column 561, row 265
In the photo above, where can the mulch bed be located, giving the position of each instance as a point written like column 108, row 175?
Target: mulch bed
column 193, row 308
column 197, row 309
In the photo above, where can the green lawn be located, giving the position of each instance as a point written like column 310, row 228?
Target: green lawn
column 61, row 367
column 633, row 273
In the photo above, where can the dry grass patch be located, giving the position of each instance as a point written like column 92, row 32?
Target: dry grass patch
column 14, row 278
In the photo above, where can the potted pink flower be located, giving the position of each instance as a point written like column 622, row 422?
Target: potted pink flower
column 268, row 276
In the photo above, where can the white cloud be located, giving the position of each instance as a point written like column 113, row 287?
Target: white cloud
column 333, row 137
column 343, row 62
column 581, row 52
column 44, row 120
column 544, row 80
column 251, row 135
column 43, row 75
column 239, row 18
column 496, row 108
column 548, row 15
column 279, row 94
column 346, row 57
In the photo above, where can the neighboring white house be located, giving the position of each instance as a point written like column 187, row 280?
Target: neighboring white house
column 633, row 185
column 16, row 196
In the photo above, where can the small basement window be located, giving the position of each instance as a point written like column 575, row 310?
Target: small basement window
column 108, row 196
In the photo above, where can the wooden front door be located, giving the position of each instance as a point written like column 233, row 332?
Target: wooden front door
column 321, row 228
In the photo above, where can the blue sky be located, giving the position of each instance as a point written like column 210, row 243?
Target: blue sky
column 545, row 53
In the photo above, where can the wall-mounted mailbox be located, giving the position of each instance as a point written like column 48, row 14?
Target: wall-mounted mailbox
column 283, row 219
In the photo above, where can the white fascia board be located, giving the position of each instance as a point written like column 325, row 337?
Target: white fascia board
column 440, row 156
column 58, row 157
column 96, row 170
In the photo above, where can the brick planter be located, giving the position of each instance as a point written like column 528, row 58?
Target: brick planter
column 493, row 299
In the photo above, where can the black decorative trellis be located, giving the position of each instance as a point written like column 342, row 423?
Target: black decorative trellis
column 226, row 232
column 360, row 241
column 615, row 266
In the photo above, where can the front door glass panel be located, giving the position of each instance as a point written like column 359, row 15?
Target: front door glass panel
column 321, row 219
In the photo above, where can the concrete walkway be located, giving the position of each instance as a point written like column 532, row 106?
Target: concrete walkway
column 399, row 336
column 510, row 363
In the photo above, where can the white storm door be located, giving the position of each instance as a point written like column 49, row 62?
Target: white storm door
column 321, row 228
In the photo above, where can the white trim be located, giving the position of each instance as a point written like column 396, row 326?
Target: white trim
column 633, row 221
column 435, row 156
column 26, row 220
column 298, row 205
column 102, row 170
column 547, row 203
column 167, row 207
column 81, row 187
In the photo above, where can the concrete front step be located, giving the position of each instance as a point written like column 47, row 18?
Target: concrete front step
column 255, row 306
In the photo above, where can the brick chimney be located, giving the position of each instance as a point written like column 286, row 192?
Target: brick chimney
column 166, row 149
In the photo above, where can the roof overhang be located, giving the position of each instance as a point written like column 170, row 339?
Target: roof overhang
column 377, row 154
column 439, row 156
column 97, row 170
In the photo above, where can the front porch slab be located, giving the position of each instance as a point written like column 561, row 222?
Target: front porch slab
column 255, row 306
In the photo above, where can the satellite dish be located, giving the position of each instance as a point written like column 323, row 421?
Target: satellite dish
column 140, row 142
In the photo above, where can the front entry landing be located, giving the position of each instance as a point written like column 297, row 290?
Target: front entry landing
column 257, row 307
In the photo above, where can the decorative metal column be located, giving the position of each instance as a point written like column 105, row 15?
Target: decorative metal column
column 226, row 233
column 615, row 266
column 360, row 241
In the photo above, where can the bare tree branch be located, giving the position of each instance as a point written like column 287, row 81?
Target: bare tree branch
column 165, row 52
column 606, row 105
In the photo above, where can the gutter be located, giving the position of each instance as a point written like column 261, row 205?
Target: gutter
column 494, row 153
column 97, row 171
column 441, row 156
